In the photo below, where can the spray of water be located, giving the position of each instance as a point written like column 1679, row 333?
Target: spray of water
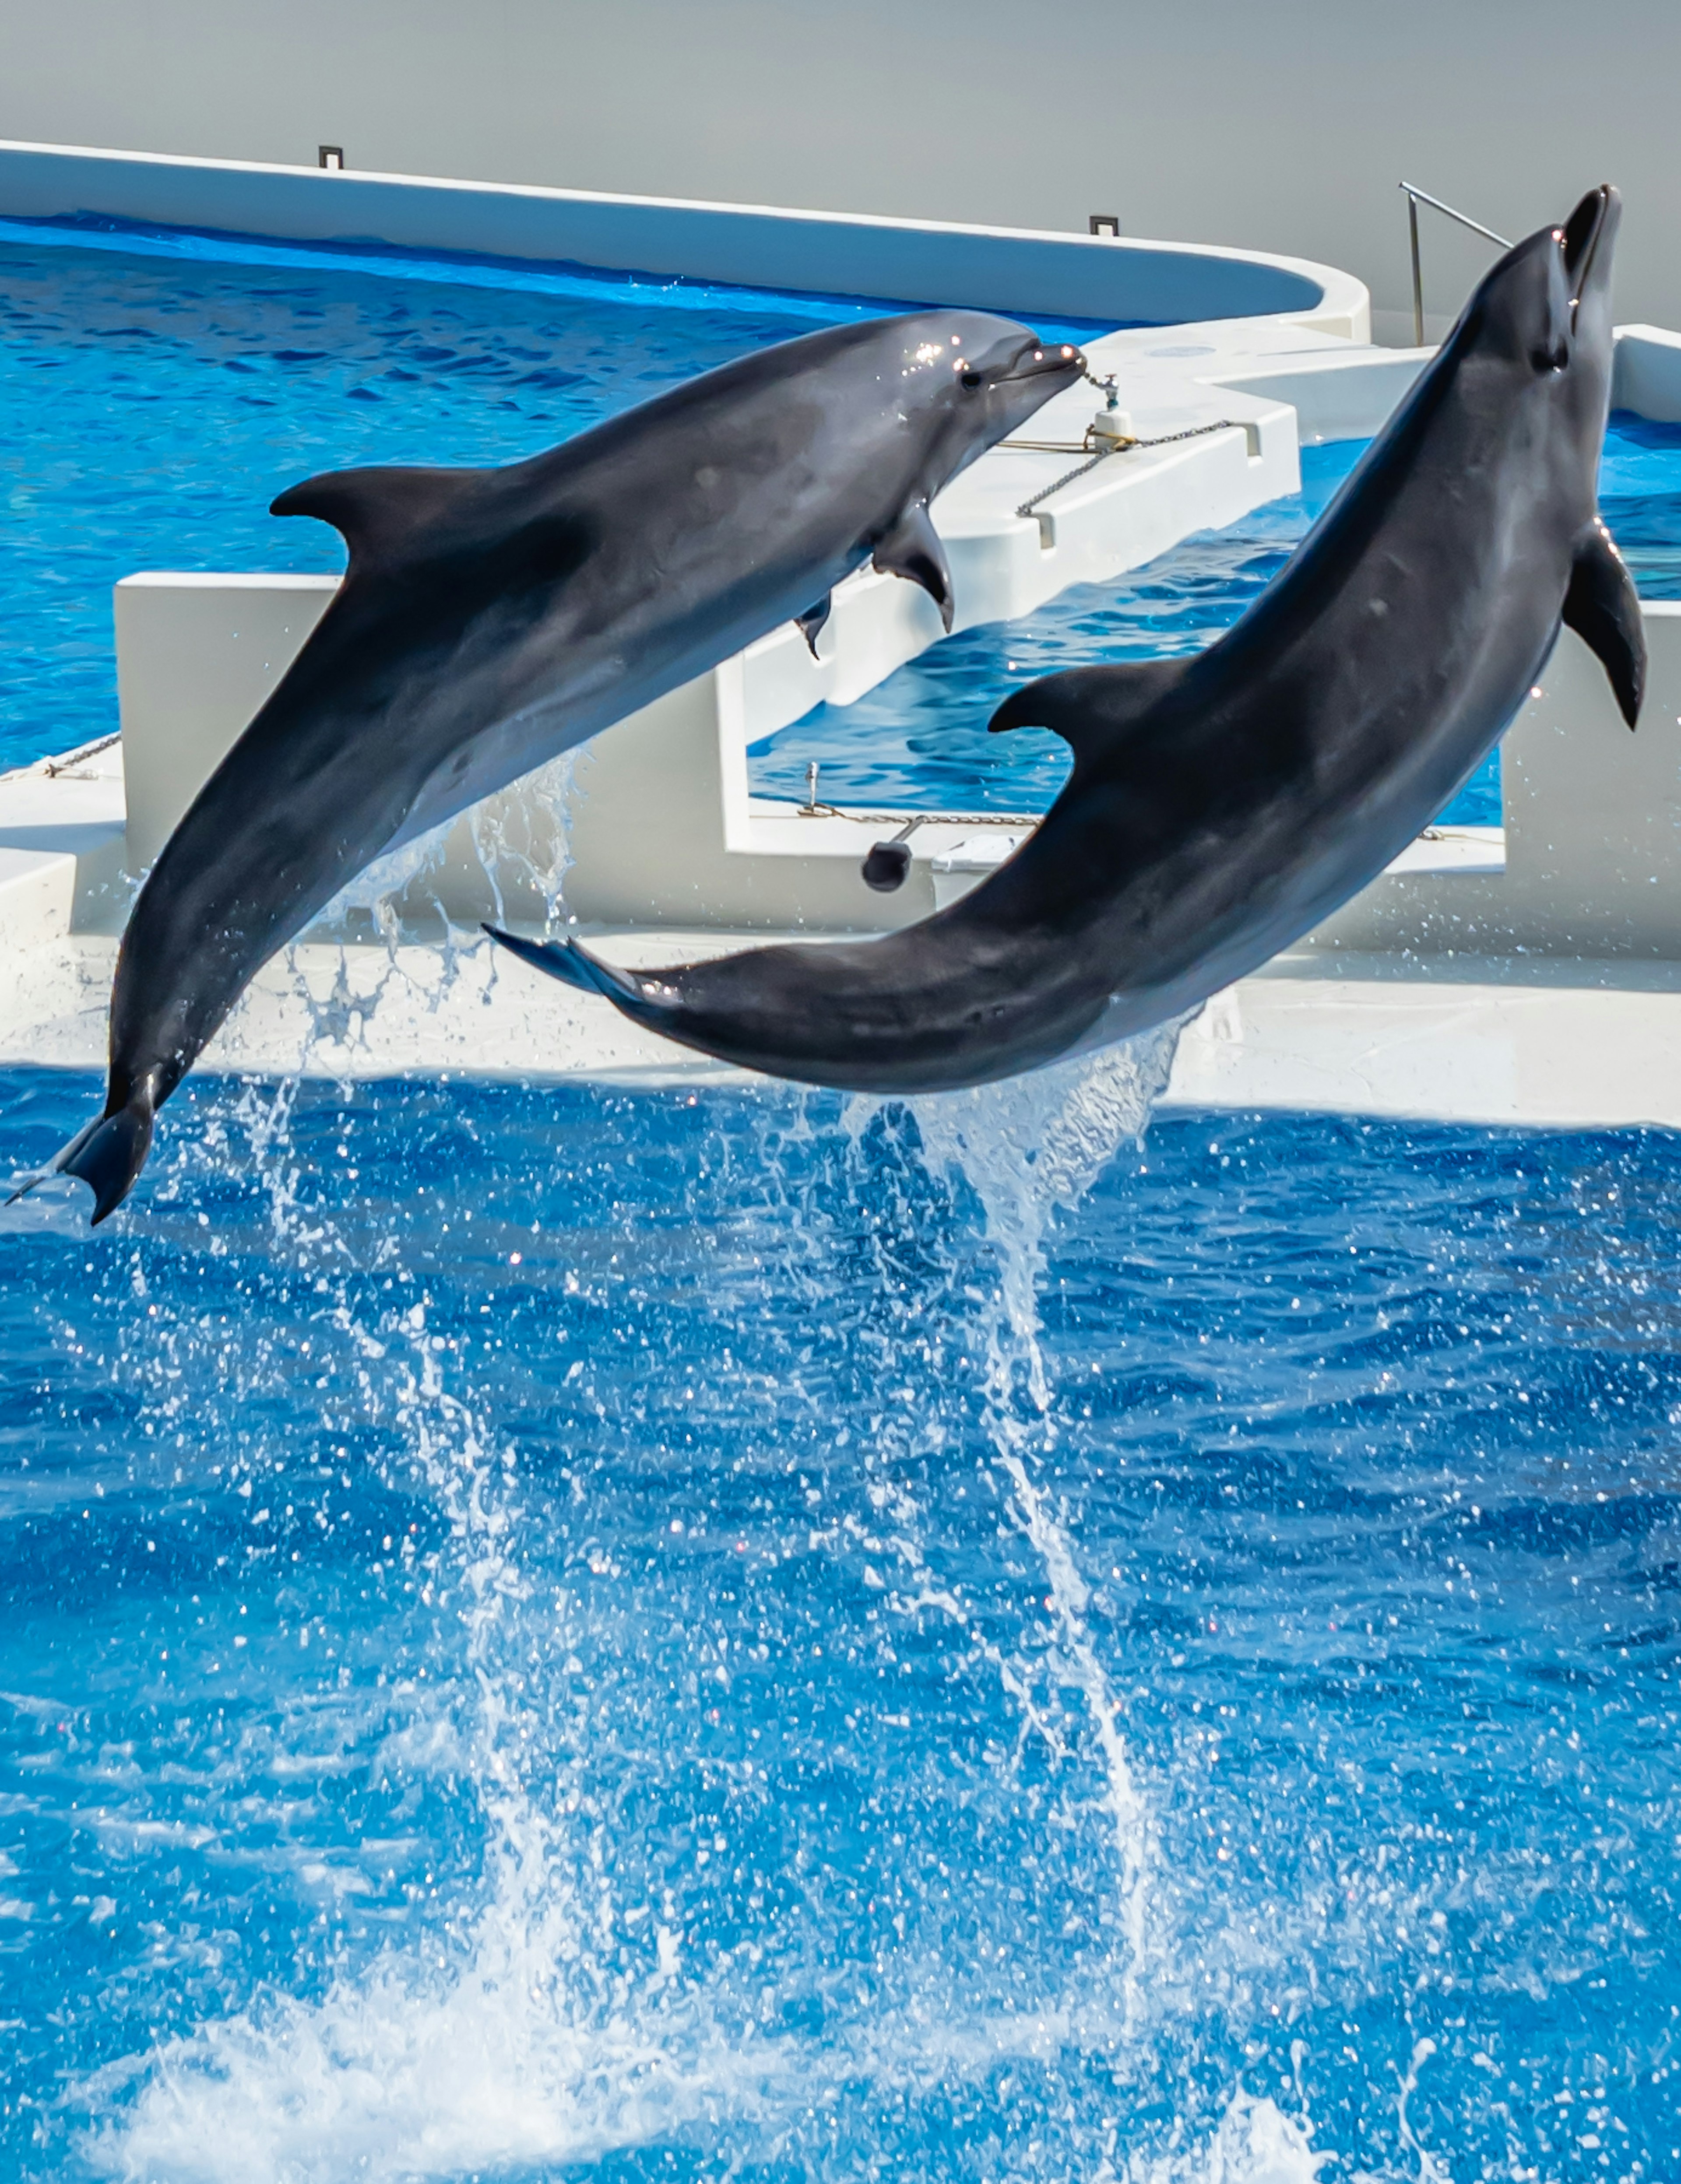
column 523, row 2039
column 507, row 860
column 1028, row 1147
column 524, row 844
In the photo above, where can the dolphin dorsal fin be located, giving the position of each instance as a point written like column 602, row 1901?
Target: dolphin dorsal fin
column 380, row 511
column 1092, row 709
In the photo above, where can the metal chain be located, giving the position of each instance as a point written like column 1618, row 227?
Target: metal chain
column 54, row 767
column 907, row 822
column 1118, row 448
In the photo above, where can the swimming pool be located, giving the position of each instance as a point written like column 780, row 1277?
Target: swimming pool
column 555, row 1632
column 918, row 740
column 558, row 1633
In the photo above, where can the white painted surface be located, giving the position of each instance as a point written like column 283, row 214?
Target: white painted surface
column 1646, row 376
column 1593, row 830
column 1559, row 1044
column 1281, row 128
column 194, row 653
column 769, row 246
column 1576, row 1045
column 61, row 847
column 1336, row 397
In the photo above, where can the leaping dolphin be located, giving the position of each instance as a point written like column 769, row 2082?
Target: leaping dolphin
column 490, row 619
column 1221, row 806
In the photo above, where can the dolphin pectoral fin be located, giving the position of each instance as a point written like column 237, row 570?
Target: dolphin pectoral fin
column 107, row 1154
column 1092, row 709
column 380, row 509
column 810, row 624
column 913, row 548
column 1604, row 609
column 572, row 964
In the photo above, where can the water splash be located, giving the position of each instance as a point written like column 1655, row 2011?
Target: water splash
column 519, row 2041
column 1256, row 2143
column 394, row 2078
column 1029, row 1147
column 524, row 841
column 421, row 906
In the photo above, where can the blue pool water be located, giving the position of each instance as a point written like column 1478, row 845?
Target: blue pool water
column 919, row 741
column 731, row 1635
column 160, row 389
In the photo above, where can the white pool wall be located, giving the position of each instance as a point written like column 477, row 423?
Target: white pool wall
column 756, row 246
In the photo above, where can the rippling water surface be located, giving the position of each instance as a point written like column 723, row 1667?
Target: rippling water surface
column 556, row 1634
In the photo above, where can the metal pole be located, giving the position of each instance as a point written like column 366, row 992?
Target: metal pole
column 1418, row 274
column 1463, row 218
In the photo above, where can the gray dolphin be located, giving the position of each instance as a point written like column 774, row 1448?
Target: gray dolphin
column 490, row 619
column 1221, row 806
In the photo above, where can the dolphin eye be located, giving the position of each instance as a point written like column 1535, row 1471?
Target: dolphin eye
column 968, row 379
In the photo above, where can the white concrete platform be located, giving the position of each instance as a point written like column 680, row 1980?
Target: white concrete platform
column 1497, row 1039
column 1479, row 1040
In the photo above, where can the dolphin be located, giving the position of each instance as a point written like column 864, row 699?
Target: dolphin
column 1221, row 806
column 490, row 619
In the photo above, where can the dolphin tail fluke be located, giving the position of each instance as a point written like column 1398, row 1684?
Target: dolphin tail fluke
column 1604, row 609
column 572, row 966
column 107, row 1154
column 113, row 1153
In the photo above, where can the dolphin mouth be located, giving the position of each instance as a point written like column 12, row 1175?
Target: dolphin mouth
column 1592, row 224
column 1045, row 357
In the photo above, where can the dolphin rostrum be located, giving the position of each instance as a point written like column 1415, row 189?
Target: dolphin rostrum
column 490, row 619
column 1222, row 805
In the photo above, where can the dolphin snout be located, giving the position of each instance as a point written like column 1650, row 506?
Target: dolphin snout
column 1587, row 236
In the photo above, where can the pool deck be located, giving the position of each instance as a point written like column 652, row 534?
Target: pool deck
column 1483, row 1039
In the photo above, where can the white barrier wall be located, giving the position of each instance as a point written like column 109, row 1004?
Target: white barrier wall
column 830, row 253
column 663, row 832
column 194, row 654
column 1593, row 830
column 1284, row 128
